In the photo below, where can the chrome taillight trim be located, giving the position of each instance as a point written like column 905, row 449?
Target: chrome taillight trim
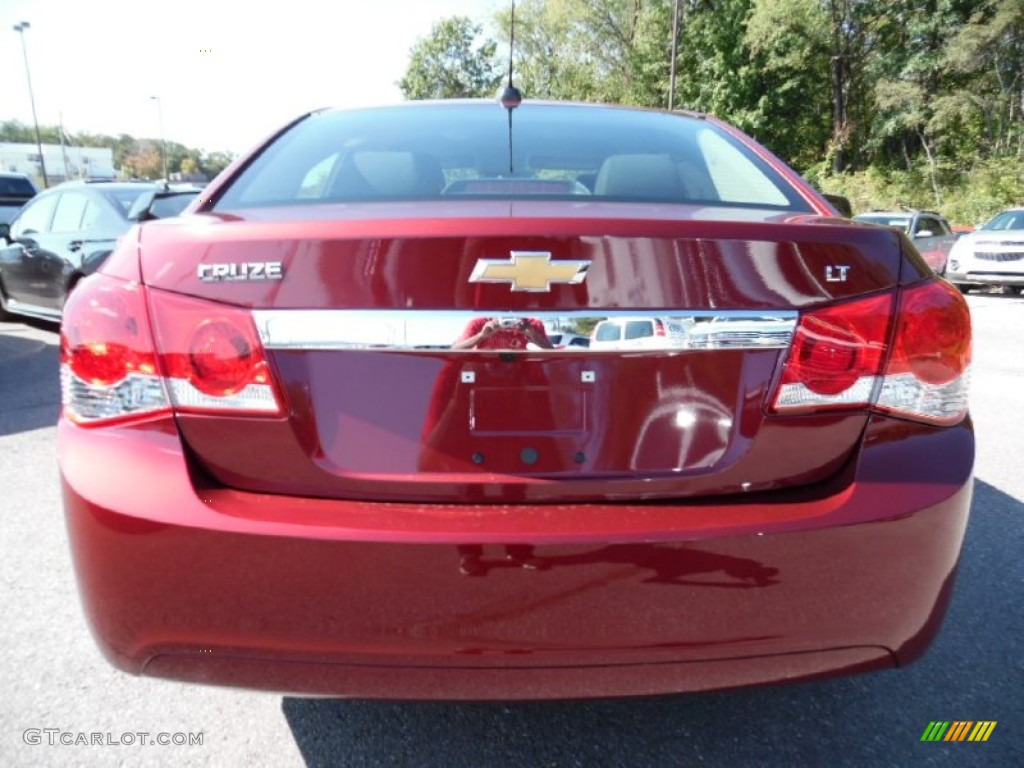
column 433, row 330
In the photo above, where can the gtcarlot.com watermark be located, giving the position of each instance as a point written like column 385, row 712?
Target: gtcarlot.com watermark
column 55, row 736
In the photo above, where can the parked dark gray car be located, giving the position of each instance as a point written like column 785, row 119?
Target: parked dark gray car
column 66, row 233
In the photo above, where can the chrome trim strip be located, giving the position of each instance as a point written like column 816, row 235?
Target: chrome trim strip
column 433, row 330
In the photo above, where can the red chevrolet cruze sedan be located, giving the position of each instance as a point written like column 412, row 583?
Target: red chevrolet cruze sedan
column 316, row 437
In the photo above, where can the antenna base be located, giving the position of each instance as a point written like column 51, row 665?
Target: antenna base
column 510, row 97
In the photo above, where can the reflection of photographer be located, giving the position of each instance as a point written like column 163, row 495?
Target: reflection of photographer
column 503, row 333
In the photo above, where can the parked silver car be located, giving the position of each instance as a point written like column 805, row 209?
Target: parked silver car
column 930, row 232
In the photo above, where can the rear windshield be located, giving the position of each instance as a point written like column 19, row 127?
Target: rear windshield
column 464, row 151
column 639, row 329
column 607, row 332
column 902, row 222
column 125, row 199
column 15, row 186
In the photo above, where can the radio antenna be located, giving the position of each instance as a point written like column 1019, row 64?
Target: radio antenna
column 510, row 96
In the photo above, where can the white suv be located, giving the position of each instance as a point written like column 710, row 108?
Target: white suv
column 990, row 255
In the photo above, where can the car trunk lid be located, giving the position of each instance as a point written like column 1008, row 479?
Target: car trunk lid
column 357, row 308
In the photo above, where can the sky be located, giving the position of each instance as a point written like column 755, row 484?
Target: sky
column 227, row 72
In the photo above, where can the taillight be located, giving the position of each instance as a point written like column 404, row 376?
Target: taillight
column 836, row 355
column 108, row 365
column 211, row 356
column 195, row 355
column 840, row 357
column 928, row 374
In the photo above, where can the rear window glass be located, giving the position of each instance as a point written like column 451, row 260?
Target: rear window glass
column 15, row 186
column 607, row 332
column 639, row 329
column 901, row 222
column 124, row 199
column 463, row 150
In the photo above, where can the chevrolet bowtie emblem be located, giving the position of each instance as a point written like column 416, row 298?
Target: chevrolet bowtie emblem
column 529, row 271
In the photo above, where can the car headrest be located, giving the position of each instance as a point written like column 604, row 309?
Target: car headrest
column 382, row 174
column 649, row 177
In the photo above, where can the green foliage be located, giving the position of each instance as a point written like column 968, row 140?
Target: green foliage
column 612, row 51
column 969, row 196
column 138, row 158
column 904, row 101
column 447, row 64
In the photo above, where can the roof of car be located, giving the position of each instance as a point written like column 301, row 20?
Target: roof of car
column 106, row 183
column 486, row 102
column 897, row 213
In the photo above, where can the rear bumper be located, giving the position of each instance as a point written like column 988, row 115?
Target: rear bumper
column 501, row 602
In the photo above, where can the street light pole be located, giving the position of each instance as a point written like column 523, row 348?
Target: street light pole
column 20, row 29
column 675, row 55
column 163, row 141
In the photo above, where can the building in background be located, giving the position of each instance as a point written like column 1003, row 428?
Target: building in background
column 62, row 162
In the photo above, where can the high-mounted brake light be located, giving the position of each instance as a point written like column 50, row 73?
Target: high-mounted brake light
column 107, row 362
column 841, row 357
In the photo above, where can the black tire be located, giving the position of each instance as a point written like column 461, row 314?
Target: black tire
column 962, row 287
column 4, row 314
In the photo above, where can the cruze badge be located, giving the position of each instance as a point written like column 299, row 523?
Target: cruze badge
column 244, row 270
column 532, row 271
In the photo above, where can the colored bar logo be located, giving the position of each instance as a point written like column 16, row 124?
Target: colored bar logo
column 958, row 730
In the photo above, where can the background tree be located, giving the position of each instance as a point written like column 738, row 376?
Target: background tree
column 143, row 161
column 451, row 64
column 612, row 51
column 892, row 102
column 214, row 162
column 135, row 158
column 552, row 58
column 987, row 53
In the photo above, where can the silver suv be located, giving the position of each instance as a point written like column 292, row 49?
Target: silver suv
column 930, row 232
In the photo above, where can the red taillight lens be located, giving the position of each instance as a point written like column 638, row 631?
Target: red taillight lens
column 108, row 364
column 836, row 355
column 112, row 357
column 105, row 336
column 220, row 358
column 212, row 356
column 928, row 374
column 933, row 334
column 839, row 357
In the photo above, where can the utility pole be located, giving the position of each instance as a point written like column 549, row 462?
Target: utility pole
column 20, row 29
column 675, row 53
column 163, row 141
